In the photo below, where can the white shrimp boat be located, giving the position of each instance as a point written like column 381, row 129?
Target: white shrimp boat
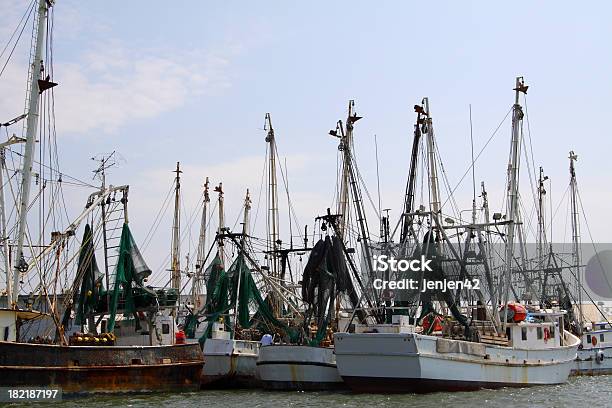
column 400, row 360
column 595, row 351
column 296, row 367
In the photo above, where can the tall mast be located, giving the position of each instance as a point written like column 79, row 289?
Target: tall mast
column 513, row 173
column 541, row 221
column 576, row 235
column 28, row 156
column 346, row 144
column 410, row 186
column 176, row 232
column 219, row 189
column 273, row 234
column 196, row 288
column 434, row 196
column 243, row 239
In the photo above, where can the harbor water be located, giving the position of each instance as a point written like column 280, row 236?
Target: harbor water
column 578, row 392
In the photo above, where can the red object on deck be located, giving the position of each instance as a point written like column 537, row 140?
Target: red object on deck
column 437, row 323
column 180, row 337
column 518, row 311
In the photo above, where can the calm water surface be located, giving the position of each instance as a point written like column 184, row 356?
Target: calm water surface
column 578, row 392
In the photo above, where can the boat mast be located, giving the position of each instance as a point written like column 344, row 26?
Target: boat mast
column 221, row 229
column 513, row 172
column 28, row 156
column 541, row 228
column 576, row 235
column 410, row 186
column 175, row 266
column 434, row 198
column 346, row 144
column 245, row 231
column 273, row 234
column 196, row 288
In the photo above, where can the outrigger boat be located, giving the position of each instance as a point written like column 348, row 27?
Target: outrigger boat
column 478, row 344
column 89, row 357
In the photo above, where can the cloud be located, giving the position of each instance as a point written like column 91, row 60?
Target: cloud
column 108, row 83
column 113, row 85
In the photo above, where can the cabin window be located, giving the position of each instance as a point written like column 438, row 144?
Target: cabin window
column 508, row 333
column 6, row 333
column 552, row 331
column 165, row 328
column 588, row 339
column 540, row 333
column 523, row 333
column 601, row 337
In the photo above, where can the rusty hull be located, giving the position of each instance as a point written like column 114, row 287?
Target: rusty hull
column 102, row 369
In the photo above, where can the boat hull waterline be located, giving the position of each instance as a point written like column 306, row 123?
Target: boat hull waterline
column 593, row 361
column 408, row 362
column 296, row 367
column 230, row 364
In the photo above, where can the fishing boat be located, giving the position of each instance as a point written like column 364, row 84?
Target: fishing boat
column 230, row 362
column 76, row 348
column 595, row 350
column 309, row 362
column 401, row 360
column 235, row 315
column 230, row 359
column 443, row 338
column 92, row 369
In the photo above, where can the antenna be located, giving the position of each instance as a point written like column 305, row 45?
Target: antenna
column 382, row 227
column 473, row 170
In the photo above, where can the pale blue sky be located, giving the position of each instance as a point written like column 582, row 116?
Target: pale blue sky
column 191, row 80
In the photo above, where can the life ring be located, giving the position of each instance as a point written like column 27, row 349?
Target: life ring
column 546, row 334
column 593, row 341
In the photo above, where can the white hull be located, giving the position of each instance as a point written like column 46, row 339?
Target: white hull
column 291, row 367
column 230, row 363
column 410, row 362
column 593, row 361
